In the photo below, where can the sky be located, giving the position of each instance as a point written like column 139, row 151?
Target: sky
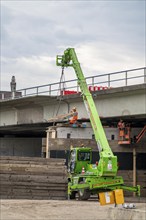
column 108, row 36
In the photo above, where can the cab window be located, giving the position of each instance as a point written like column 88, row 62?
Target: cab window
column 84, row 156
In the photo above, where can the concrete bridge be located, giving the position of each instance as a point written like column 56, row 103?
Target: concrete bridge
column 32, row 112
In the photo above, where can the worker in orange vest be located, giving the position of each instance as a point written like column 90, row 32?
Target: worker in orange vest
column 74, row 116
column 121, row 127
column 121, row 124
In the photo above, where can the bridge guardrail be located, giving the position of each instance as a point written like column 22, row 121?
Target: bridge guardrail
column 97, row 82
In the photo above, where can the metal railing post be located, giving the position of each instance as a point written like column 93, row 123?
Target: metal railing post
column 144, row 75
column 3, row 96
column 93, row 81
column 109, row 80
column 126, row 78
column 50, row 90
column 37, row 90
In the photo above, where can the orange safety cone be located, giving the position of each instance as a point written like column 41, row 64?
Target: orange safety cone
column 83, row 170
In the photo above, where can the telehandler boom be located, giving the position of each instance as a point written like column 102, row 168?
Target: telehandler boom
column 86, row 178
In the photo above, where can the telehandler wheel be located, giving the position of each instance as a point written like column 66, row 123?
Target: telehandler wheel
column 73, row 195
column 84, row 194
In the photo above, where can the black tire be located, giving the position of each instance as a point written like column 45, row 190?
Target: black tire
column 73, row 195
column 84, row 194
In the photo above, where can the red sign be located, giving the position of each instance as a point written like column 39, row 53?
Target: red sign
column 68, row 92
column 98, row 88
column 91, row 89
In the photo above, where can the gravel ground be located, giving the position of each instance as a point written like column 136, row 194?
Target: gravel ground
column 58, row 210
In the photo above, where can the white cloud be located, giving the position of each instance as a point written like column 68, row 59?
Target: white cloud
column 101, row 57
column 31, row 71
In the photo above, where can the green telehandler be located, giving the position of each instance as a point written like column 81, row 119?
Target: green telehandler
column 86, row 178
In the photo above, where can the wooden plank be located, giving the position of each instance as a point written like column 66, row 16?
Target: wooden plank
column 37, row 173
column 42, row 193
column 30, row 187
column 33, row 169
column 33, row 166
column 33, row 178
column 3, row 183
column 31, row 184
column 54, row 163
column 51, row 165
column 33, row 197
column 7, row 190
column 35, row 192
column 18, row 158
column 22, row 160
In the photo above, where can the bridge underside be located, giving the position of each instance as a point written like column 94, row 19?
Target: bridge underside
column 39, row 129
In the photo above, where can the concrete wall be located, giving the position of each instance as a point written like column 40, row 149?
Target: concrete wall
column 87, row 133
column 30, row 147
column 64, row 144
column 23, row 115
column 78, row 136
column 50, row 111
column 122, row 105
column 8, row 117
column 106, row 107
column 30, row 114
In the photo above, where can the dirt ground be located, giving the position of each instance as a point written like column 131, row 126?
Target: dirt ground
column 58, row 210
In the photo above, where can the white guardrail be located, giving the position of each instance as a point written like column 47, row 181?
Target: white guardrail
column 95, row 83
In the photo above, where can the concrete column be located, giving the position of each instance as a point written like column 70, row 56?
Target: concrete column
column 51, row 133
column 47, row 145
column 134, row 168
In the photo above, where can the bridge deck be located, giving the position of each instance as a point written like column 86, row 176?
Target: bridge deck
column 29, row 115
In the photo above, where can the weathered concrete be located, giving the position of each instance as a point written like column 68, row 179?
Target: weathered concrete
column 117, row 102
column 64, row 144
column 30, row 147
column 66, row 210
column 126, row 214
column 11, row 145
column 87, row 133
